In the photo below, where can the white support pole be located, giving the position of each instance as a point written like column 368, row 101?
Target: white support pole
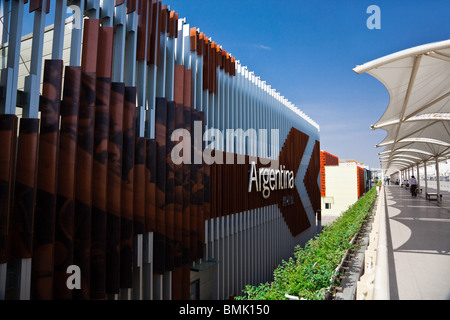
column 10, row 76
column 58, row 30
column 32, row 81
column 148, row 267
column 126, row 43
column 4, row 14
column 418, row 178
column 106, row 13
column 426, row 179
column 438, row 183
column 77, row 32
column 93, row 9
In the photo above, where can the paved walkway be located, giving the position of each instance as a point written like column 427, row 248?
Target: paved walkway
column 418, row 233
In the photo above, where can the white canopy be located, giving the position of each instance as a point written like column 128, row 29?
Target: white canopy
column 417, row 119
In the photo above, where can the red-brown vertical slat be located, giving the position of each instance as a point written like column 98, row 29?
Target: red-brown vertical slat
column 172, row 24
column 161, row 27
column 8, row 136
column 139, row 186
column 65, row 201
column 142, row 30
column 44, row 231
column 178, row 213
column 155, row 30
column 178, row 185
column 150, row 187
column 84, row 158
column 35, row 5
column 211, row 65
column 126, row 222
column 194, row 195
column 200, row 43
column 131, row 6
column 201, row 190
column 150, row 38
column 186, row 208
column 100, row 163
column 170, row 175
column 160, row 136
column 115, row 146
column 22, row 220
column 193, row 39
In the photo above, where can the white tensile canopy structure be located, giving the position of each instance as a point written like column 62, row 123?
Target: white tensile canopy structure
column 417, row 119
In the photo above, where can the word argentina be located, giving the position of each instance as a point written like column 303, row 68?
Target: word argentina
column 269, row 179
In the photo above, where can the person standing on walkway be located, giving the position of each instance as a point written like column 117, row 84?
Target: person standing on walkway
column 413, row 186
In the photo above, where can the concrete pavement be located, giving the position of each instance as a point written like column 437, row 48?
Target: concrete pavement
column 418, row 232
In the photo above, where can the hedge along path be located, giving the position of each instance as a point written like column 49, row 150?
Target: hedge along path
column 308, row 273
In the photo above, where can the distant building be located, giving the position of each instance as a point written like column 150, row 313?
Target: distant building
column 343, row 182
column 351, row 162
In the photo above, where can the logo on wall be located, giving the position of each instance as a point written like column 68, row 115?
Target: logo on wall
column 269, row 179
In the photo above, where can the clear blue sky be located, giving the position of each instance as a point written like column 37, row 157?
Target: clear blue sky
column 307, row 49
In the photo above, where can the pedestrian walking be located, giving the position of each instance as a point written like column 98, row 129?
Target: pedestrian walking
column 413, row 187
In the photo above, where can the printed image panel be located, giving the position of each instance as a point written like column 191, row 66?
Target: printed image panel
column 126, row 222
column 22, row 220
column 65, row 202
column 113, row 217
column 8, row 134
column 160, row 136
column 44, row 223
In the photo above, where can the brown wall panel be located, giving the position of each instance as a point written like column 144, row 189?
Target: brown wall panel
column 178, row 211
column 194, row 197
column 131, row 6
column 22, row 220
column 83, row 182
column 8, row 134
column 150, row 186
column 100, row 162
column 139, row 186
column 143, row 19
column 230, row 192
column 113, row 217
column 44, row 232
column 170, row 191
column 126, row 223
column 35, row 5
column 153, row 53
column 187, row 91
column 160, row 136
column 84, row 158
column 185, row 277
column 90, row 45
column 65, row 201
column 178, row 84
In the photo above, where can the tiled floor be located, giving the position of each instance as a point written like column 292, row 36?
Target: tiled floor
column 419, row 242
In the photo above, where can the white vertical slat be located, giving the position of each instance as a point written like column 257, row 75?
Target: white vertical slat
column 77, row 32
column 32, row 81
column 9, row 81
column 58, row 31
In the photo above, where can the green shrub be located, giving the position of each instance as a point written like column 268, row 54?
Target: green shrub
column 309, row 273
